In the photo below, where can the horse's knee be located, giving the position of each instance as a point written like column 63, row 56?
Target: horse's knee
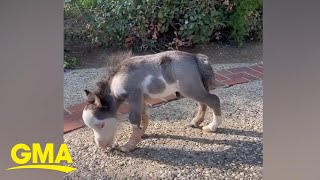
column 135, row 119
column 213, row 101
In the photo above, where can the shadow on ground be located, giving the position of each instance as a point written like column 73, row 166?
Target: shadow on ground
column 240, row 152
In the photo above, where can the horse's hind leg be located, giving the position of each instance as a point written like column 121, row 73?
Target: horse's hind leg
column 191, row 89
column 199, row 118
column 193, row 85
column 213, row 102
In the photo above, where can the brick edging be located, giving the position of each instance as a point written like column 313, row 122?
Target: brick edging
column 229, row 77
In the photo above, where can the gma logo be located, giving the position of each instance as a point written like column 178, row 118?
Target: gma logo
column 35, row 158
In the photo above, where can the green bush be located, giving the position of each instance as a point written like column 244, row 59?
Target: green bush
column 245, row 19
column 70, row 62
column 159, row 25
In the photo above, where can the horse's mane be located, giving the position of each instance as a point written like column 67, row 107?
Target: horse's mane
column 112, row 66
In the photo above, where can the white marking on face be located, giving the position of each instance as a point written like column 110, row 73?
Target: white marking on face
column 103, row 134
column 117, row 85
column 169, row 88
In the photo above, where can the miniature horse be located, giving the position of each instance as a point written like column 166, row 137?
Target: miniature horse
column 150, row 76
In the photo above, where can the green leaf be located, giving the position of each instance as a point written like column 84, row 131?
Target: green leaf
column 160, row 15
column 162, row 20
column 191, row 25
column 206, row 20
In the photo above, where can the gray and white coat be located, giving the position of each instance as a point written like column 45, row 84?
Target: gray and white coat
column 150, row 76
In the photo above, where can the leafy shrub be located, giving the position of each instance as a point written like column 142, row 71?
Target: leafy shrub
column 245, row 19
column 166, row 24
column 69, row 62
column 74, row 28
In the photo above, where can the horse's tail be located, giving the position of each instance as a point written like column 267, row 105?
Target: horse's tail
column 207, row 73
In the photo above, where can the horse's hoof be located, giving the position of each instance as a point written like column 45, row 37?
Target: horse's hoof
column 207, row 129
column 192, row 125
column 125, row 149
column 144, row 136
column 114, row 147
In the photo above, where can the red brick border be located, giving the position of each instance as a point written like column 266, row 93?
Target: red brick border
column 229, row 77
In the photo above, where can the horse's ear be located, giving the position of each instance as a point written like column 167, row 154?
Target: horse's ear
column 87, row 92
column 88, row 96
column 92, row 98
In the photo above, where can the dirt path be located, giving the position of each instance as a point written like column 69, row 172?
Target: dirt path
column 220, row 54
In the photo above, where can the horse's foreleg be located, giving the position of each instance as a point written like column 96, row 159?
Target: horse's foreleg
column 144, row 120
column 136, row 107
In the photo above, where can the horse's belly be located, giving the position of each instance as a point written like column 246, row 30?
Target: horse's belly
column 157, row 87
column 170, row 89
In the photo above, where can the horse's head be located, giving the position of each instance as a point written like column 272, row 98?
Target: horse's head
column 99, row 114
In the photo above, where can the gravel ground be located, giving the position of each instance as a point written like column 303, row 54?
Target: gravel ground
column 172, row 150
